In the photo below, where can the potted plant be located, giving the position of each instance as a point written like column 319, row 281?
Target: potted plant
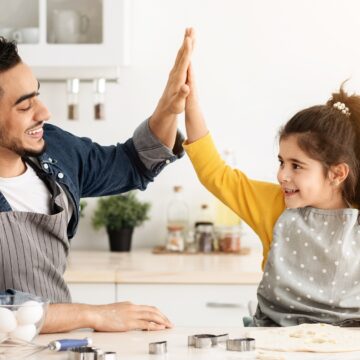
column 119, row 214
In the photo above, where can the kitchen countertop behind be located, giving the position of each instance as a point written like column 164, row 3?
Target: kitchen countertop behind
column 141, row 266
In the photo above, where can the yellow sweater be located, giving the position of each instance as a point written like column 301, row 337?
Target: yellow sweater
column 258, row 203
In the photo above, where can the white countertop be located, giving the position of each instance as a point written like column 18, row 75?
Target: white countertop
column 141, row 266
column 134, row 346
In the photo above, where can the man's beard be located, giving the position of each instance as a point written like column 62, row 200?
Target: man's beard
column 32, row 153
column 15, row 147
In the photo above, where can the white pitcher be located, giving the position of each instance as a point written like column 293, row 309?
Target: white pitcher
column 69, row 25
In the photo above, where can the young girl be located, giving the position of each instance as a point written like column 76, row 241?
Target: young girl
column 309, row 222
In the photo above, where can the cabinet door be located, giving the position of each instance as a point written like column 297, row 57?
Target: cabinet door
column 107, row 33
column 193, row 305
column 93, row 293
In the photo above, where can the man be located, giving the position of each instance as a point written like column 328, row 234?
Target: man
column 44, row 171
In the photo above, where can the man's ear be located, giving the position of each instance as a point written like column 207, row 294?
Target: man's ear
column 338, row 173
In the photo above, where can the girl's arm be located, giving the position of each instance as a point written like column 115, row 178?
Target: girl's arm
column 259, row 204
column 194, row 120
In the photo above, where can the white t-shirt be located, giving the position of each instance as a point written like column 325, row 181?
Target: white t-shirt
column 27, row 192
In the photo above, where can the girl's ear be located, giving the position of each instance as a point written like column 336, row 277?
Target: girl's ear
column 338, row 173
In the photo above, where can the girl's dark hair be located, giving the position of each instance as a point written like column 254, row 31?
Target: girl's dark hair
column 330, row 136
column 9, row 56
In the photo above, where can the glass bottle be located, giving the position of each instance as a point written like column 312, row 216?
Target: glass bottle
column 178, row 211
column 177, row 221
column 99, row 98
column 175, row 239
column 72, row 99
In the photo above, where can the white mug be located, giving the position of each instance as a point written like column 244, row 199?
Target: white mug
column 68, row 26
column 28, row 35
column 6, row 33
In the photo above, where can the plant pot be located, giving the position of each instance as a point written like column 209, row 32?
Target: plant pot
column 120, row 239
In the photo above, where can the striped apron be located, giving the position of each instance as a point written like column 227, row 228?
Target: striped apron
column 34, row 248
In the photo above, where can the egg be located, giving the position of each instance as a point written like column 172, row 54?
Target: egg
column 30, row 312
column 7, row 320
column 24, row 332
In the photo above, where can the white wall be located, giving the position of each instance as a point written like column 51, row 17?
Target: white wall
column 257, row 63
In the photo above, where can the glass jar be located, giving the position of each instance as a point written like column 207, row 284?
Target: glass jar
column 190, row 243
column 175, row 239
column 72, row 99
column 99, row 98
column 229, row 238
column 205, row 238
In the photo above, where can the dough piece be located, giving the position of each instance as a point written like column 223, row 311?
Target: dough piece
column 307, row 338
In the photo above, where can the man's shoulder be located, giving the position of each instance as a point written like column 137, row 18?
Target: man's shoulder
column 51, row 130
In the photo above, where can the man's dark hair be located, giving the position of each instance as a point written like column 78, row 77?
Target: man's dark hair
column 9, row 56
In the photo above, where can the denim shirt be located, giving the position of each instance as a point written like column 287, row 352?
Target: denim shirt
column 84, row 168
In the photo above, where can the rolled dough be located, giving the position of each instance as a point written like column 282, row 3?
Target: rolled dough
column 307, row 338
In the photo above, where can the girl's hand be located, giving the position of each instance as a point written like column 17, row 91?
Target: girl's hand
column 194, row 120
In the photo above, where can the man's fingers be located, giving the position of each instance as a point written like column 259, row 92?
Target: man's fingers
column 152, row 317
column 181, row 50
column 146, row 325
column 183, row 56
column 151, row 313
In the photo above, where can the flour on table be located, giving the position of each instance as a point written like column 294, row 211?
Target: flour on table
column 308, row 338
column 267, row 356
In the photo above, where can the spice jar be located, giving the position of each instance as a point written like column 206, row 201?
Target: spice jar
column 205, row 237
column 175, row 239
column 99, row 98
column 72, row 99
column 229, row 238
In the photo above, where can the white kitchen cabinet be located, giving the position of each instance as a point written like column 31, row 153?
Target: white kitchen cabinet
column 68, row 33
column 93, row 293
column 195, row 304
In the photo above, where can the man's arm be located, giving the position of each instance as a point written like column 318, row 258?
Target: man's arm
column 163, row 122
column 122, row 316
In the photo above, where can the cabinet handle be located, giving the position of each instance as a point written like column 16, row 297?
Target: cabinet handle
column 224, row 305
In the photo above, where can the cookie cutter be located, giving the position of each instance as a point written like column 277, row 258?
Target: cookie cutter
column 157, row 348
column 241, row 344
column 206, row 340
column 90, row 353
column 83, row 353
column 109, row 355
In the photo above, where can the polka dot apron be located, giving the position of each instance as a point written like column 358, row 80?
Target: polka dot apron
column 313, row 270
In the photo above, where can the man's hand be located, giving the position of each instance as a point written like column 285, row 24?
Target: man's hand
column 176, row 90
column 121, row 316
column 163, row 121
column 126, row 316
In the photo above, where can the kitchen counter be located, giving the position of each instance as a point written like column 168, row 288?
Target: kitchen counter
column 192, row 290
column 134, row 346
column 141, row 266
